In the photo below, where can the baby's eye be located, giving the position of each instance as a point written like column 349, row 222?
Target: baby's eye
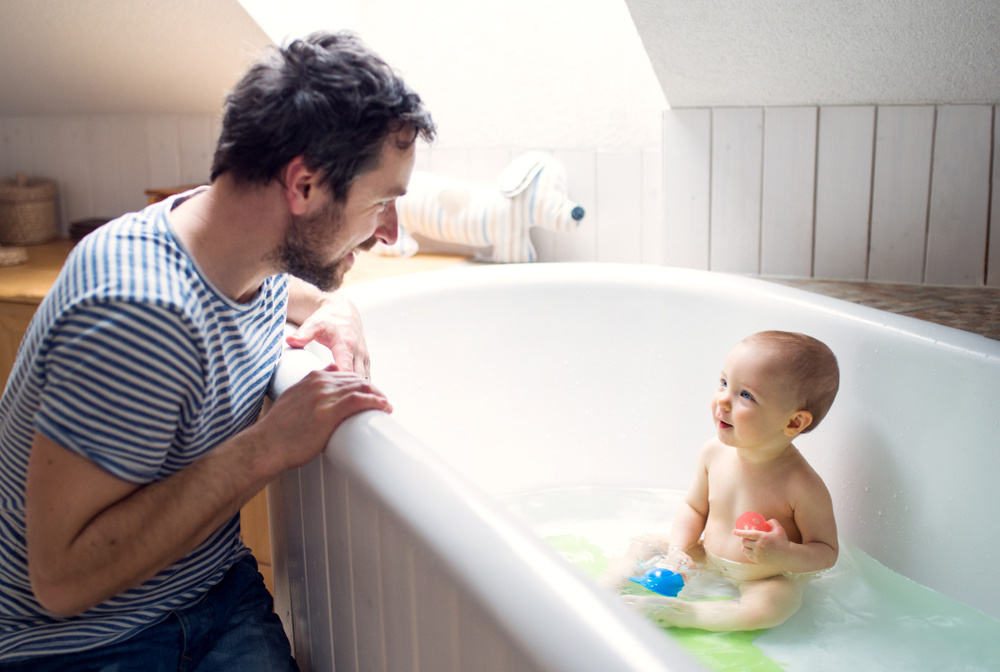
column 722, row 382
column 746, row 395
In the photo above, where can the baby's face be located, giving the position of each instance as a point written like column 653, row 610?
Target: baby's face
column 752, row 405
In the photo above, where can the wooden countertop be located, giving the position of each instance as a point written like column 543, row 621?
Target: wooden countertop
column 371, row 266
column 28, row 283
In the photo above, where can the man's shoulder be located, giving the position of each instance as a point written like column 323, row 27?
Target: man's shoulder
column 130, row 259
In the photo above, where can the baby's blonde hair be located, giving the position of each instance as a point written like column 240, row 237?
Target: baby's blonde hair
column 811, row 366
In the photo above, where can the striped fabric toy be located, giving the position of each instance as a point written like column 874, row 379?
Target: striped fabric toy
column 531, row 191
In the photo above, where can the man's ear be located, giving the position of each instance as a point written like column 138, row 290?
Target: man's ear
column 301, row 186
column 798, row 423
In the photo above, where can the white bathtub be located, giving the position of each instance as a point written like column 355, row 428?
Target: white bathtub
column 391, row 553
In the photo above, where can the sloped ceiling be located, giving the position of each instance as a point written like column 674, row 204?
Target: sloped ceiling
column 181, row 56
column 122, row 56
column 795, row 52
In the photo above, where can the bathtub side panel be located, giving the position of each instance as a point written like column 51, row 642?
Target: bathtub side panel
column 366, row 579
column 339, row 558
column 317, row 627
column 289, row 565
column 281, row 527
column 437, row 620
column 399, row 597
column 387, row 604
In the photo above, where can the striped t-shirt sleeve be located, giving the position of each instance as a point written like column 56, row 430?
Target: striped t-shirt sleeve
column 121, row 378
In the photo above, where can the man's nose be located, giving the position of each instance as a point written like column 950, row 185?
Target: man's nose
column 388, row 225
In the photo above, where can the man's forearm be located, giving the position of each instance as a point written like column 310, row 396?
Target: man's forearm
column 131, row 539
column 305, row 299
column 91, row 536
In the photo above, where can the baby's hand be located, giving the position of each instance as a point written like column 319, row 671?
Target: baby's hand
column 677, row 560
column 760, row 547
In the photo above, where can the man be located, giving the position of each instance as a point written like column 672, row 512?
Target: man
column 128, row 432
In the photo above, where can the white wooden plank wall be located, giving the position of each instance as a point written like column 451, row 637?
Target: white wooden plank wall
column 904, row 142
column 619, row 206
column 734, row 228
column 960, row 192
column 993, row 255
column 687, row 179
column 787, row 203
column 104, row 163
column 881, row 193
column 890, row 193
column 843, row 191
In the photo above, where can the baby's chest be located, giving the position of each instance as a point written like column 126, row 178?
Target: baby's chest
column 732, row 493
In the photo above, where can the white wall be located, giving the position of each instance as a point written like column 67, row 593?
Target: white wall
column 559, row 74
column 889, row 193
column 850, row 52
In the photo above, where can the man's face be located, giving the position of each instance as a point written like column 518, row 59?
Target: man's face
column 301, row 254
column 320, row 248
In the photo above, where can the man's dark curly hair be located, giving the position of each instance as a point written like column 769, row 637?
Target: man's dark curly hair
column 327, row 98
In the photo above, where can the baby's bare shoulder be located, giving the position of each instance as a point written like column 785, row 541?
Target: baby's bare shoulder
column 805, row 482
column 712, row 448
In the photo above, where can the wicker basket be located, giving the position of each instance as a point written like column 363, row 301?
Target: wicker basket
column 27, row 211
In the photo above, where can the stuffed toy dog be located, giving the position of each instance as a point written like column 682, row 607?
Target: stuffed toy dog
column 531, row 192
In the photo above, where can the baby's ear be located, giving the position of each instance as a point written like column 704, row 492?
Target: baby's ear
column 798, row 423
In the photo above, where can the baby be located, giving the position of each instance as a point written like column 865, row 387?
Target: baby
column 774, row 386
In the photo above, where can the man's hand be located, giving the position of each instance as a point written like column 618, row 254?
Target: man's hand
column 300, row 422
column 332, row 321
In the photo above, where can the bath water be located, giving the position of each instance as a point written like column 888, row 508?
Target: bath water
column 857, row 616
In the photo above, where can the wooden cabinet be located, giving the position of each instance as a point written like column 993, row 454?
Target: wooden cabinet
column 22, row 288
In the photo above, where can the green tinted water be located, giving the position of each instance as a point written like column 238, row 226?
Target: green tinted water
column 857, row 616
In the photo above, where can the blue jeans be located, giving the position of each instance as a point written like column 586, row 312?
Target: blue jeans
column 233, row 627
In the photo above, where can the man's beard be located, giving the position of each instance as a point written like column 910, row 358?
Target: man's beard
column 298, row 251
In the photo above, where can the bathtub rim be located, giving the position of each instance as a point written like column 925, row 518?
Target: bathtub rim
column 472, row 274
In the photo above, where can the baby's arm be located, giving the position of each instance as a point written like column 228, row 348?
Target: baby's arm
column 640, row 549
column 689, row 522
column 812, row 511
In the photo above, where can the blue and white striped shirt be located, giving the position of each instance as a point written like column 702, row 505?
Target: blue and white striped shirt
column 137, row 362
